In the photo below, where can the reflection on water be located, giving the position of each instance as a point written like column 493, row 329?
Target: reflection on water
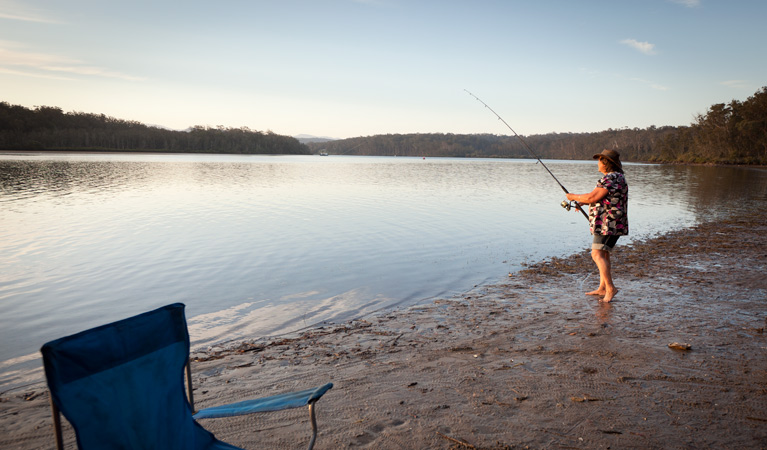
column 258, row 245
column 604, row 313
column 708, row 192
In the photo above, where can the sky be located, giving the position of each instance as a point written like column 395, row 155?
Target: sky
column 348, row 68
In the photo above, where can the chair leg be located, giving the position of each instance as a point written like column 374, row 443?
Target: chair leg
column 57, row 425
column 314, row 426
column 189, row 383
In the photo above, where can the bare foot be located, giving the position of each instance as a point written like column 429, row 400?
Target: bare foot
column 609, row 295
column 599, row 291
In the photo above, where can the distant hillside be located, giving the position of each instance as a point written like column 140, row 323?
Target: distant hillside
column 49, row 128
column 308, row 139
column 733, row 133
column 634, row 145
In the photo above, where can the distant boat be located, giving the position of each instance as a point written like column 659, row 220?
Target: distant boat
column 323, row 153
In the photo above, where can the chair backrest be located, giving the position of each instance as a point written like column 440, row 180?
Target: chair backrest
column 121, row 385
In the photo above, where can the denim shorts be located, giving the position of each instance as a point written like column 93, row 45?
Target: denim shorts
column 605, row 243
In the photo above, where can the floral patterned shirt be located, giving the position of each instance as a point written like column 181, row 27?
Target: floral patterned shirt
column 609, row 216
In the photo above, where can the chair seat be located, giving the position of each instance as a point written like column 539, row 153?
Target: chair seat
column 266, row 404
column 121, row 385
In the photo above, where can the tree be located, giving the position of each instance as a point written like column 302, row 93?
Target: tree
column 50, row 128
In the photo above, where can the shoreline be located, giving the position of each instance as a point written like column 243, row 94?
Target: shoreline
column 529, row 362
column 165, row 152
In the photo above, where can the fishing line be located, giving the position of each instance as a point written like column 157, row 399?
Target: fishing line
column 584, row 280
column 569, row 205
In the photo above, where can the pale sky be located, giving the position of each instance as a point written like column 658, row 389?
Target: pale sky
column 346, row 68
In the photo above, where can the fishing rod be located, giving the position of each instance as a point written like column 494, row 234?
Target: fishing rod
column 564, row 204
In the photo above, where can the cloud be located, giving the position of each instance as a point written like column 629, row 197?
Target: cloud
column 644, row 47
column 688, row 3
column 91, row 71
column 12, row 54
column 33, row 75
column 13, row 58
column 595, row 73
column 737, row 84
column 656, row 86
column 11, row 10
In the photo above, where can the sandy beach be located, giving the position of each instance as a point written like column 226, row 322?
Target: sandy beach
column 530, row 362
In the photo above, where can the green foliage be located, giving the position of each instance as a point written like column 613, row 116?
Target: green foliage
column 734, row 133
column 49, row 128
column 636, row 145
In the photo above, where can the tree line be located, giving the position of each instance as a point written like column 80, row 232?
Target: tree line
column 49, row 128
column 732, row 133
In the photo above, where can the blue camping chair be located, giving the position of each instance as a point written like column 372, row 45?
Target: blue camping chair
column 121, row 385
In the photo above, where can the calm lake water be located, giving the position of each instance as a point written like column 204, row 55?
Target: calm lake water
column 263, row 245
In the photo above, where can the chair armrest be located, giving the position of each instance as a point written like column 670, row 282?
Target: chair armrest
column 265, row 404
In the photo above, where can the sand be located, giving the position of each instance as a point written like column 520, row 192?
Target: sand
column 530, row 362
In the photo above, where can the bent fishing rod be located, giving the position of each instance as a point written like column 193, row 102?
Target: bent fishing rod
column 564, row 204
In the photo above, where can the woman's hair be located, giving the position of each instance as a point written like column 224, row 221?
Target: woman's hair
column 610, row 166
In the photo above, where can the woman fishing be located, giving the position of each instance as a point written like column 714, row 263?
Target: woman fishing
column 608, row 209
column 608, row 217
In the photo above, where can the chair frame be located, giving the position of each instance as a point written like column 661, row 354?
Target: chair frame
column 58, row 432
column 190, row 390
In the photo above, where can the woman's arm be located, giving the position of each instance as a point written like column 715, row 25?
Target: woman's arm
column 592, row 197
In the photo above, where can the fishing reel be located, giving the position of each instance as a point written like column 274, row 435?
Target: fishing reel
column 569, row 205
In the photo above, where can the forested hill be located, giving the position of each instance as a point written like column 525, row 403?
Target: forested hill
column 49, row 128
column 733, row 133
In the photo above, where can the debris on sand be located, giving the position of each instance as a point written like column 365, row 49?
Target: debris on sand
column 680, row 346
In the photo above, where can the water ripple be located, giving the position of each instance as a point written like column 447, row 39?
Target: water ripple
column 263, row 245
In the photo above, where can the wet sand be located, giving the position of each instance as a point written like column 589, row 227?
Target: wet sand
column 531, row 362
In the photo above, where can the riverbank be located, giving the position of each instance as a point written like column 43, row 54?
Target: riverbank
column 527, row 363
